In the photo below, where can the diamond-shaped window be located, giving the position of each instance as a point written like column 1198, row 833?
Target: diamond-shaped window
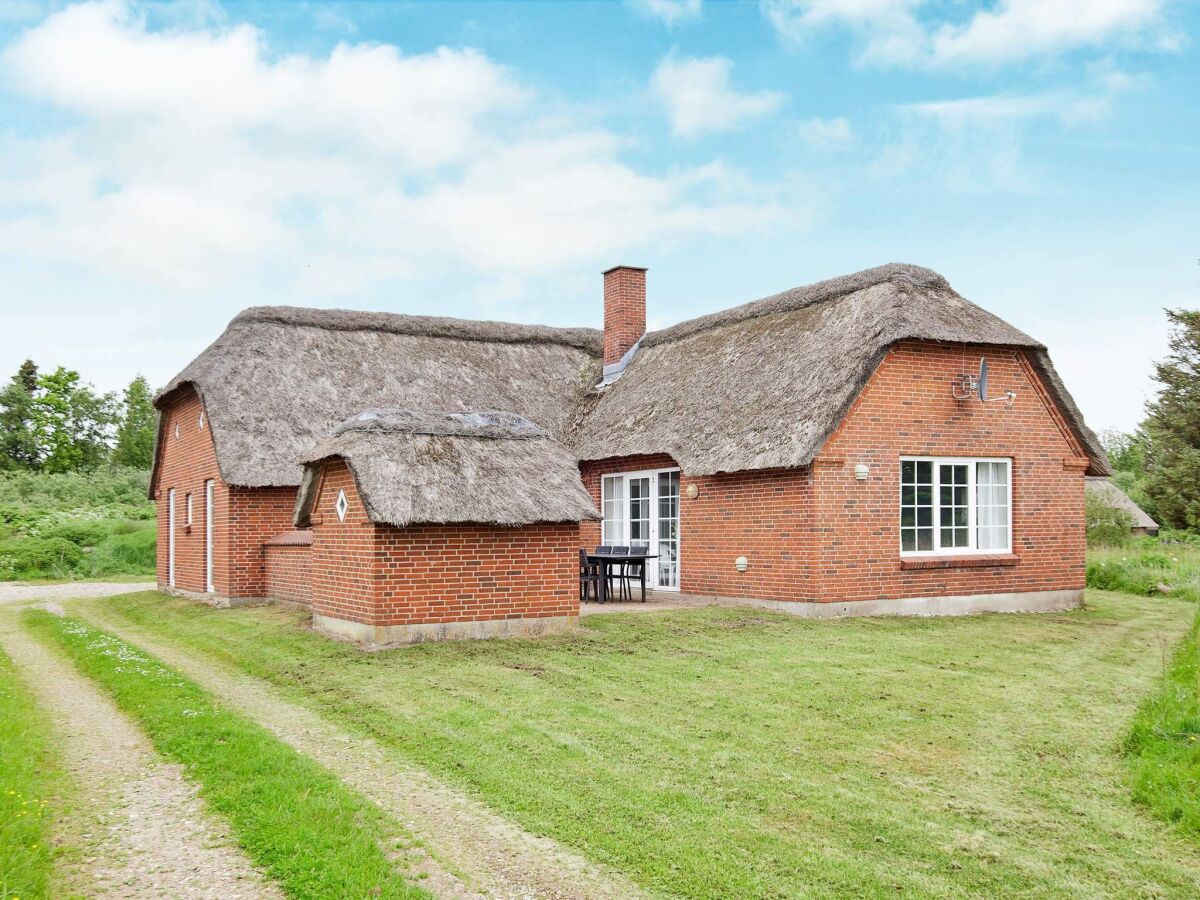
column 341, row 506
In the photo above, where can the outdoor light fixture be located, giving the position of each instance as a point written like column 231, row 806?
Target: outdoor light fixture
column 693, row 491
column 861, row 471
column 742, row 563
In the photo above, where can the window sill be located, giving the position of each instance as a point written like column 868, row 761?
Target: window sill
column 958, row 562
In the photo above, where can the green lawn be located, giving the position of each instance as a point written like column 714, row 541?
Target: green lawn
column 30, row 782
column 305, row 828
column 722, row 752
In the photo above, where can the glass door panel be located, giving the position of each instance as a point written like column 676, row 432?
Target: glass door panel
column 668, row 530
column 639, row 510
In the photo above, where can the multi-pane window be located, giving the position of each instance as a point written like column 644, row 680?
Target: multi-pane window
column 955, row 505
column 614, row 510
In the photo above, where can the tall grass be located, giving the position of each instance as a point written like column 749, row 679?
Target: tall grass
column 1164, row 743
column 1148, row 567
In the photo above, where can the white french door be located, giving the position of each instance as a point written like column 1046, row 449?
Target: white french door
column 171, row 537
column 643, row 508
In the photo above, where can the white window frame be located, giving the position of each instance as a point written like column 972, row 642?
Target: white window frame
column 973, row 504
column 189, row 509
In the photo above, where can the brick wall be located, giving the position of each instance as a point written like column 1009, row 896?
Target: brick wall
column 380, row 575
column 187, row 460
column 907, row 409
column 818, row 534
column 624, row 310
column 289, row 572
column 762, row 515
column 244, row 518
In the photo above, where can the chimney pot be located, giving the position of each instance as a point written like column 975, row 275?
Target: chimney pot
column 624, row 310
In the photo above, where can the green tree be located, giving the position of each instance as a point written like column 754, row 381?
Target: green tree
column 1173, row 426
column 135, row 434
column 19, row 445
column 74, row 424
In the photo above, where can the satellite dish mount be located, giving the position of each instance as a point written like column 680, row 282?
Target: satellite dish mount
column 967, row 386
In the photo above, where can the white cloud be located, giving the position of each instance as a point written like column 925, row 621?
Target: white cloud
column 195, row 156
column 669, row 12
column 699, row 98
column 825, row 133
column 894, row 32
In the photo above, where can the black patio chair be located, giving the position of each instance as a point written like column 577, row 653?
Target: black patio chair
column 617, row 572
column 634, row 571
column 589, row 577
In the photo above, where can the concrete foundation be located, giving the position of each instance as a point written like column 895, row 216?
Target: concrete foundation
column 971, row 604
column 212, row 599
column 377, row 636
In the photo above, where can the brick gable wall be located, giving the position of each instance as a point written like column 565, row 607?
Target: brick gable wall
column 244, row 518
column 907, row 409
column 186, row 461
column 431, row 574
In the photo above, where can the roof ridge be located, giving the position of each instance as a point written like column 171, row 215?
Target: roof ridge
column 803, row 296
column 587, row 339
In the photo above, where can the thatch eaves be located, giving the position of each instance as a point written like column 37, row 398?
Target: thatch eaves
column 765, row 384
column 418, row 467
column 280, row 378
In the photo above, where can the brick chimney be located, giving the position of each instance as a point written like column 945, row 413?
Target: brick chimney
column 624, row 311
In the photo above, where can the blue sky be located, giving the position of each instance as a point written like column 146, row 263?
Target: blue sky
column 164, row 165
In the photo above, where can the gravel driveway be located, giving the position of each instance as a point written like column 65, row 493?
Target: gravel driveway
column 18, row 591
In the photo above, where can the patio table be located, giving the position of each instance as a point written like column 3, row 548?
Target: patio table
column 605, row 560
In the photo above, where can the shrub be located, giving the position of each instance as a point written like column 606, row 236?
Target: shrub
column 132, row 553
column 81, row 532
column 1107, row 526
column 34, row 556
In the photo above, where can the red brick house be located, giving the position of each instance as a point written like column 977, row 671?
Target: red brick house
column 824, row 451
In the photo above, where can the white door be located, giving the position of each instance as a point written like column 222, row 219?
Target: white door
column 643, row 508
column 208, row 537
column 171, row 537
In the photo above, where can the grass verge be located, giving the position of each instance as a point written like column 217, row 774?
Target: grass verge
column 734, row 752
column 308, row 831
column 1164, row 743
column 29, row 781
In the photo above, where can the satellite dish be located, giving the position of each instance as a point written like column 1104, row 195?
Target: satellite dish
column 983, row 380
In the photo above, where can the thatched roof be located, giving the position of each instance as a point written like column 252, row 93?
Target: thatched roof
column 758, row 386
column 1111, row 495
column 763, row 385
column 437, row 467
column 280, row 378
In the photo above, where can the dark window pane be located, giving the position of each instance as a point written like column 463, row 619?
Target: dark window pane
column 924, row 496
column 908, row 496
column 960, row 496
column 908, row 517
column 960, row 537
column 908, row 539
column 960, row 474
column 925, row 516
column 960, row 516
column 946, row 516
column 947, row 537
column 925, row 539
column 908, row 471
column 946, row 495
column 925, row 473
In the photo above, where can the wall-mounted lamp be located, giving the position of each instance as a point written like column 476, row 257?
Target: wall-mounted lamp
column 861, row 471
column 693, row 491
column 741, row 563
